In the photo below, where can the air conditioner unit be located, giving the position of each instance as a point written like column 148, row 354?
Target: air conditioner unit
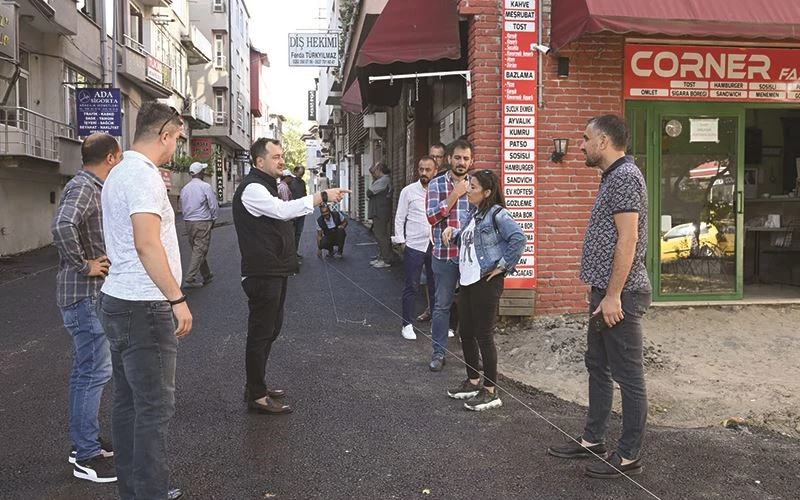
column 220, row 117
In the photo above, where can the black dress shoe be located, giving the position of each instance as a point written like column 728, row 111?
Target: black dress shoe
column 271, row 406
column 273, row 393
column 613, row 468
column 571, row 449
column 174, row 494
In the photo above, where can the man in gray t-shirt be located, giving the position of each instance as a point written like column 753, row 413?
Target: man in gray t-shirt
column 613, row 265
column 142, row 308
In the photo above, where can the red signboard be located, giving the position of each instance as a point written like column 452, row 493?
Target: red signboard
column 202, row 147
column 692, row 73
column 519, row 81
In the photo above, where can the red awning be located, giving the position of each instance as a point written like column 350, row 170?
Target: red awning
column 413, row 30
column 776, row 19
column 351, row 100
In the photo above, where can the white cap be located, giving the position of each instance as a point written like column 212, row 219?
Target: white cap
column 287, row 173
column 197, row 167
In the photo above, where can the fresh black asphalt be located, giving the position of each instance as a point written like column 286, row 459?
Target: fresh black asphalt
column 370, row 420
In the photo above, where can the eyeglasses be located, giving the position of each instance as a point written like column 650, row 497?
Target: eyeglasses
column 175, row 115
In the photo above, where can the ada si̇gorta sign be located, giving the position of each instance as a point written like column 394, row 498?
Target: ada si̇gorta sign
column 314, row 49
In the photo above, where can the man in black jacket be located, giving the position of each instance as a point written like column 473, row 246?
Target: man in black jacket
column 266, row 241
column 299, row 190
column 331, row 232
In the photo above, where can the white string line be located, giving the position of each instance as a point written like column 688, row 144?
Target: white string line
column 29, row 275
column 503, row 389
column 333, row 300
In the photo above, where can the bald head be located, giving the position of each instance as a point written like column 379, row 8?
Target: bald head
column 97, row 147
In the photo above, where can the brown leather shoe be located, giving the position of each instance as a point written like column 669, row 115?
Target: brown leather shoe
column 273, row 393
column 271, row 406
column 425, row 316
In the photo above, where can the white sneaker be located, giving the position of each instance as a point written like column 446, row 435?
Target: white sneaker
column 408, row 332
column 451, row 333
column 374, row 261
column 381, row 264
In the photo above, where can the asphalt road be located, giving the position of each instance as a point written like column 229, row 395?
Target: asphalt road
column 370, row 420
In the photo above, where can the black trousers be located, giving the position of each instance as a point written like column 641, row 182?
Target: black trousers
column 265, row 298
column 333, row 238
column 477, row 311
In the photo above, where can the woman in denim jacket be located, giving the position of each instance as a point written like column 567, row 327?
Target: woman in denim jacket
column 490, row 245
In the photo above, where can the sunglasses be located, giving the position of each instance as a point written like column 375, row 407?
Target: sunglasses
column 174, row 116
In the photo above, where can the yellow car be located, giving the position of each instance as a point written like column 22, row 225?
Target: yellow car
column 677, row 242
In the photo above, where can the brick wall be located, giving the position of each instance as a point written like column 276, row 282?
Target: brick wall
column 485, row 51
column 565, row 190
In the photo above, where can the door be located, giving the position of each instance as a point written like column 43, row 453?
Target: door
column 699, row 203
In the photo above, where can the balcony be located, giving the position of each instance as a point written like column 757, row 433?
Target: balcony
column 26, row 135
column 133, row 62
column 198, row 115
column 139, row 66
column 49, row 16
column 198, row 47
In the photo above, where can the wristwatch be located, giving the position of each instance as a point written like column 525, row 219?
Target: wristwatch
column 324, row 195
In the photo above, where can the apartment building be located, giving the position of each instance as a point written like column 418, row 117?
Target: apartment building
column 224, row 82
column 62, row 46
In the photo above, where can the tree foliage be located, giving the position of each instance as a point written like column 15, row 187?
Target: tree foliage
column 294, row 149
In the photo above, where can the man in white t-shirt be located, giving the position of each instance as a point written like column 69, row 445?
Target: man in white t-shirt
column 142, row 308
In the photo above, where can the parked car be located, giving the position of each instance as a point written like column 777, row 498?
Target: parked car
column 677, row 242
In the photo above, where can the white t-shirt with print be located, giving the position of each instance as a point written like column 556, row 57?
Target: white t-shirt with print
column 135, row 186
column 468, row 265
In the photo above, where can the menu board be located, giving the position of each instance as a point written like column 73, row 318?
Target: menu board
column 519, row 82
column 697, row 73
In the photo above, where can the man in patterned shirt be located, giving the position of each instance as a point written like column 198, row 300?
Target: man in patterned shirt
column 446, row 206
column 613, row 265
column 82, row 266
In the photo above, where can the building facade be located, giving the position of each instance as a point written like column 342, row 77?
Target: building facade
column 224, row 83
column 63, row 46
column 713, row 109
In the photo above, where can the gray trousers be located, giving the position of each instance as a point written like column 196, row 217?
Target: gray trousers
column 615, row 354
column 381, row 227
column 199, row 239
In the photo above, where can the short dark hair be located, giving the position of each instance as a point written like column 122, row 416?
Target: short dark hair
column 489, row 180
column 380, row 165
column 97, row 147
column 426, row 158
column 295, row 169
column 324, row 206
column 259, row 148
column 153, row 117
column 460, row 144
column 614, row 127
column 438, row 145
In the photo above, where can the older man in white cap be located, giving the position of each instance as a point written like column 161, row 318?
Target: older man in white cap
column 199, row 207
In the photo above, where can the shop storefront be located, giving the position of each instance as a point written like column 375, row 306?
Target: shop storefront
column 712, row 94
column 716, row 126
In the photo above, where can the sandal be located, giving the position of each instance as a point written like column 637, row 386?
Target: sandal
column 425, row 316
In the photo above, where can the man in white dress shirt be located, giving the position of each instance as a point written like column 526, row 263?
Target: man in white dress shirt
column 413, row 233
column 266, row 241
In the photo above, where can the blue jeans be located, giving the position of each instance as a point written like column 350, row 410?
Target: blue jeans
column 413, row 260
column 143, row 351
column 446, row 274
column 615, row 354
column 91, row 371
